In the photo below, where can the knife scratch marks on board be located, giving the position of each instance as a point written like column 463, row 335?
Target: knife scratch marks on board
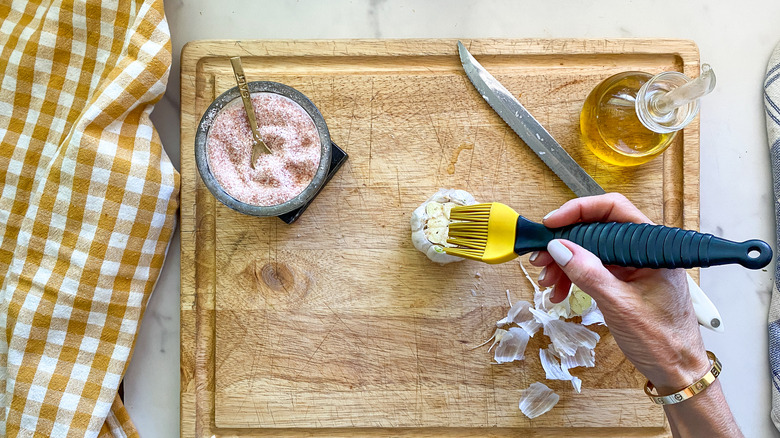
column 418, row 399
column 270, row 412
column 568, row 420
column 251, row 383
column 498, row 165
column 349, row 329
column 257, row 411
column 311, row 356
column 566, row 84
column 436, row 132
column 370, row 130
column 238, row 43
column 398, row 186
column 351, row 121
column 456, row 155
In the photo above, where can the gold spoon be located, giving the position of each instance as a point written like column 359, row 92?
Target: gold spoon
column 258, row 147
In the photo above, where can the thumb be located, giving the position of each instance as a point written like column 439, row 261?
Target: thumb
column 582, row 267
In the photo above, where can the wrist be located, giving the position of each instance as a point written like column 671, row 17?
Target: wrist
column 689, row 391
column 678, row 370
column 706, row 414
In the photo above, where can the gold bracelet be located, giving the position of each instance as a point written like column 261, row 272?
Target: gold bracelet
column 684, row 394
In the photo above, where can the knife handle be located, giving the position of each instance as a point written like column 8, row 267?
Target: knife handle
column 706, row 312
column 658, row 246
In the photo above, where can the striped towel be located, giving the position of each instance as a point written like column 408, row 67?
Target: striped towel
column 772, row 105
column 88, row 200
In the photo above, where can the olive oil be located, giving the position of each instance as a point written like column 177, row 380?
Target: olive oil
column 632, row 117
column 611, row 127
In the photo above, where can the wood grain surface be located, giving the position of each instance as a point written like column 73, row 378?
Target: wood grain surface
column 336, row 325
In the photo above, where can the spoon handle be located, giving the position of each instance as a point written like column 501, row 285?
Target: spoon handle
column 238, row 71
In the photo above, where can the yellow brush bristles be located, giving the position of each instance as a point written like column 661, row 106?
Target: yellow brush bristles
column 473, row 213
column 483, row 232
column 471, row 234
column 470, row 254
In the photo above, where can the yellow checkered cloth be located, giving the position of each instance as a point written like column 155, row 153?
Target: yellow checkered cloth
column 88, row 201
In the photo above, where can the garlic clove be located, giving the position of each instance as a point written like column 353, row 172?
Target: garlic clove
column 579, row 301
column 437, row 235
column 434, row 209
column 593, row 315
column 438, row 222
column 448, row 206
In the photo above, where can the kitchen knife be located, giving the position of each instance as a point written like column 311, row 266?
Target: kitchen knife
column 558, row 160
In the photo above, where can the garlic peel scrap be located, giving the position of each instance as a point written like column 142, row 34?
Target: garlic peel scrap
column 542, row 301
column 583, row 357
column 576, row 382
column 572, row 344
column 430, row 223
column 537, row 400
column 497, row 336
column 566, row 336
column 577, row 303
column 511, row 346
column 554, row 371
column 520, row 314
column 530, row 280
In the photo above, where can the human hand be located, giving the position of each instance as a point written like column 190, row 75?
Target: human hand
column 648, row 311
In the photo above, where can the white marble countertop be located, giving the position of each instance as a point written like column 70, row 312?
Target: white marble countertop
column 736, row 197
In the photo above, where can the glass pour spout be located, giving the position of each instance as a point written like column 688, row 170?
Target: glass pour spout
column 685, row 94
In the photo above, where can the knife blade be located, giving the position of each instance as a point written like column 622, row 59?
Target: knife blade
column 531, row 131
column 514, row 114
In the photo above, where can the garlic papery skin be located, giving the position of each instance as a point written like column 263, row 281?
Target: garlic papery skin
column 537, row 400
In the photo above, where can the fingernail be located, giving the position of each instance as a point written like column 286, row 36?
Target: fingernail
column 549, row 214
column 559, row 252
column 533, row 257
column 542, row 274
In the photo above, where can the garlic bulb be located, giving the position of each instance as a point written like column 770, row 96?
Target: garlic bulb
column 430, row 223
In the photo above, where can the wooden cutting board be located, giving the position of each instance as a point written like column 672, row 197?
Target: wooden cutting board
column 336, row 325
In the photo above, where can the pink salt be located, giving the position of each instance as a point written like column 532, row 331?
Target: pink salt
column 288, row 131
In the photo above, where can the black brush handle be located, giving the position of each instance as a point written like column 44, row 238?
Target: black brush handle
column 645, row 245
